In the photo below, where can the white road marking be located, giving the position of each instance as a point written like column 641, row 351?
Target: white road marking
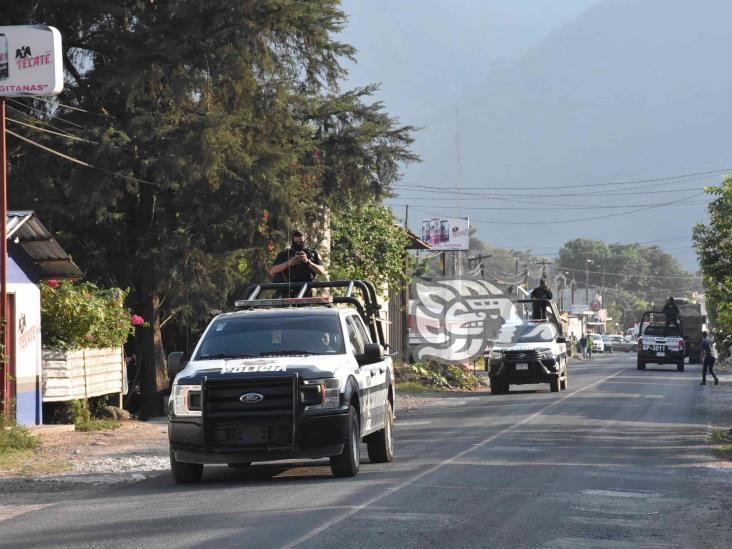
column 619, row 493
column 410, row 423
column 389, row 491
column 11, row 511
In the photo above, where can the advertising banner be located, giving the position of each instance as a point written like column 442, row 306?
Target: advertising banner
column 447, row 233
column 30, row 61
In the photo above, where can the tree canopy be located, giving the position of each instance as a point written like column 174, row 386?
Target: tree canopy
column 214, row 126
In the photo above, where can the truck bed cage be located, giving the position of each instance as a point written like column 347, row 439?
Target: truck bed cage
column 368, row 306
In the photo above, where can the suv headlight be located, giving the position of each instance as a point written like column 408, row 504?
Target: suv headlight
column 496, row 354
column 185, row 400
column 320, row 394
column 545, row 354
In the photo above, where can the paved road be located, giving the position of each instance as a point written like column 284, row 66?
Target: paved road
column 619, row 460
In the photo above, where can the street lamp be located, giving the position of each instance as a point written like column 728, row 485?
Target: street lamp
column 587, row 282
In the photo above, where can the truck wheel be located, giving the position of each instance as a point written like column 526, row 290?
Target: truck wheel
column 185, row 473
column 641, row 364
column 680, row 366
column 346, row 463
column 565, row 380
column 380, row 444
column 498, row 387
column 554, row 385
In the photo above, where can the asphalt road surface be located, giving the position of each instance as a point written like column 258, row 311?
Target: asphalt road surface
column 619, row 460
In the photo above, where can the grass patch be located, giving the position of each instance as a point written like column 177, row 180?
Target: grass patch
column 16, row 437
column 721, row 440
column 413, row 387
column 19, row 453
column 98, row 425
column 431, row 376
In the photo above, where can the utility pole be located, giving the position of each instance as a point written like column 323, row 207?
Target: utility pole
column 405, row 298
column 587, row 282
column 479, row 258
column 543, row 264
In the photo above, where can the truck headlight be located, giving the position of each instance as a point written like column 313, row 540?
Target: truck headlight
column 496, row 354
column 545, row 354
column 185, row 400
column 320, row 394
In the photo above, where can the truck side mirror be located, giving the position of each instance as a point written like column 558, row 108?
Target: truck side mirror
column 561, row 339
column 372, row 353
column 176, row 362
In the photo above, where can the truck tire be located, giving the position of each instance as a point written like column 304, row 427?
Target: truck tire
column 346, row 463
column 565, row 380
column 680, row 366
column 380, row 444
column 185, row 473
column 498, row 387
column 554, row 385
column 641, row 364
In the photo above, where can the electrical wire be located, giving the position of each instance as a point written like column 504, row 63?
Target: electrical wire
column 71, row 107
column 557, row 207
column 630, row 275
column 67, row 136
column 44, row 113
column 578, row 220
column 39, row 121
column 568, row 195
column 606, row 184
column 81, row 162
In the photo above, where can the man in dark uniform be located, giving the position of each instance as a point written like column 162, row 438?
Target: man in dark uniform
column 671, row 312
column 542, row 291
column 296, row 264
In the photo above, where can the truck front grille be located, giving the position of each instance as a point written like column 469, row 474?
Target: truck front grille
column 249, row 413
column 520, row 356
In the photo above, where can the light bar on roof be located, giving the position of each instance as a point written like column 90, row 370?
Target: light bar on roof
column 283, row 302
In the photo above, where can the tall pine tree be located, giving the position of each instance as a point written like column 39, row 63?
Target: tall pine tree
column 215, row 126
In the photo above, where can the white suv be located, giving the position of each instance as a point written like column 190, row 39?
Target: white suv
column 598, row 345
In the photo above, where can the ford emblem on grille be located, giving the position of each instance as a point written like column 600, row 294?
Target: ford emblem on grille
column 251, row 398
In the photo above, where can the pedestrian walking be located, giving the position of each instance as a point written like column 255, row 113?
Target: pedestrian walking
column 583, row 346
column 589, row 347
column 710, row 357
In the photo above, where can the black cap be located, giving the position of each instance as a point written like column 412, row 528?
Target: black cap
column 296, row 233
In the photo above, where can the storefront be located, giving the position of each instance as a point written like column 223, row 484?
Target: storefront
column 33, row 256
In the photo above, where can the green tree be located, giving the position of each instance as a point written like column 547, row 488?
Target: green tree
column 217, row 125
column 366, row 243
column 713, row 242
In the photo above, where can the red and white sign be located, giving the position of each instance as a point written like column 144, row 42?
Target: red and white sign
column 31, row 61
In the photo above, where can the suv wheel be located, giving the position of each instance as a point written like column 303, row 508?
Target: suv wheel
column 565, row 379
column 498, row 387
column 554, row 384
column 346, row 463
column 185, row 473
column 380, row 444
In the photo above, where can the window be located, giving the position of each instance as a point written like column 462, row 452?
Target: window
column 353, row 336
column 361, row 329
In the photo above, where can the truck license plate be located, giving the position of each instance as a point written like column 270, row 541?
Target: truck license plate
column 660, row 354
column 522, row 366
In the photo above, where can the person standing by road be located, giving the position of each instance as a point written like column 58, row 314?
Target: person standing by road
column 542, row 291
column 583, row 345
column 297, row 264
column 589, row 347
column 710, row 357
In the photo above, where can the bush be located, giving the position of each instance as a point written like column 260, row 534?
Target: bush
column 83, row 316
column 16, row 437
column 438, row 376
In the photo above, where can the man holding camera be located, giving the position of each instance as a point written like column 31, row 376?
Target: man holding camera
column 296, row 264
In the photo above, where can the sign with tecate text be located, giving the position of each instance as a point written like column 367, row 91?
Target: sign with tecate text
column 30, row 61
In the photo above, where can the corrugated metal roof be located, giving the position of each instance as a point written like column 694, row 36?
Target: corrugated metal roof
column 26, row 230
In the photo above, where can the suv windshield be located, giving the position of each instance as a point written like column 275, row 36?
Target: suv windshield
column 661, row 330
column 255, row 336
column 526, row 333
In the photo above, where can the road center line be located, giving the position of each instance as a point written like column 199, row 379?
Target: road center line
column 389, row 491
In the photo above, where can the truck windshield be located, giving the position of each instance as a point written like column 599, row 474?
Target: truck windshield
column 526, row 333
column 257, row 336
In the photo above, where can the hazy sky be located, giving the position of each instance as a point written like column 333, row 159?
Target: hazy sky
column 443, row 63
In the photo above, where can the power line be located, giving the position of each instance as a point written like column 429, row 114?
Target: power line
column 39, row 121
column 557, row 222
column 568, row 195
column 631, row 275
column 71, row 107
column 606, row 184
column 65, row 135
column 554, row 207
column 82, row 162
column 44, row 113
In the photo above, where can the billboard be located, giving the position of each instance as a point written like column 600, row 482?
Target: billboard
column 447, row 233
column 30, row 61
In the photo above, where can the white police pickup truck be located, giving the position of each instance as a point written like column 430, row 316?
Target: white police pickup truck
column 285, row 378
column 660, row 343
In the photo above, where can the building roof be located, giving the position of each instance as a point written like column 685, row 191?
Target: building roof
column 25, row 230
column 415, row 243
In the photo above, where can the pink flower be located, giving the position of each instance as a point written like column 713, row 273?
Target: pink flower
column 270, row 247
column 53, row 283
column 88, row 337
column 137, row 320
column 265, row 215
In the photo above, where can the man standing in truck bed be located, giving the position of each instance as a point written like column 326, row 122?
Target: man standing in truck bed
column 296, row 264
